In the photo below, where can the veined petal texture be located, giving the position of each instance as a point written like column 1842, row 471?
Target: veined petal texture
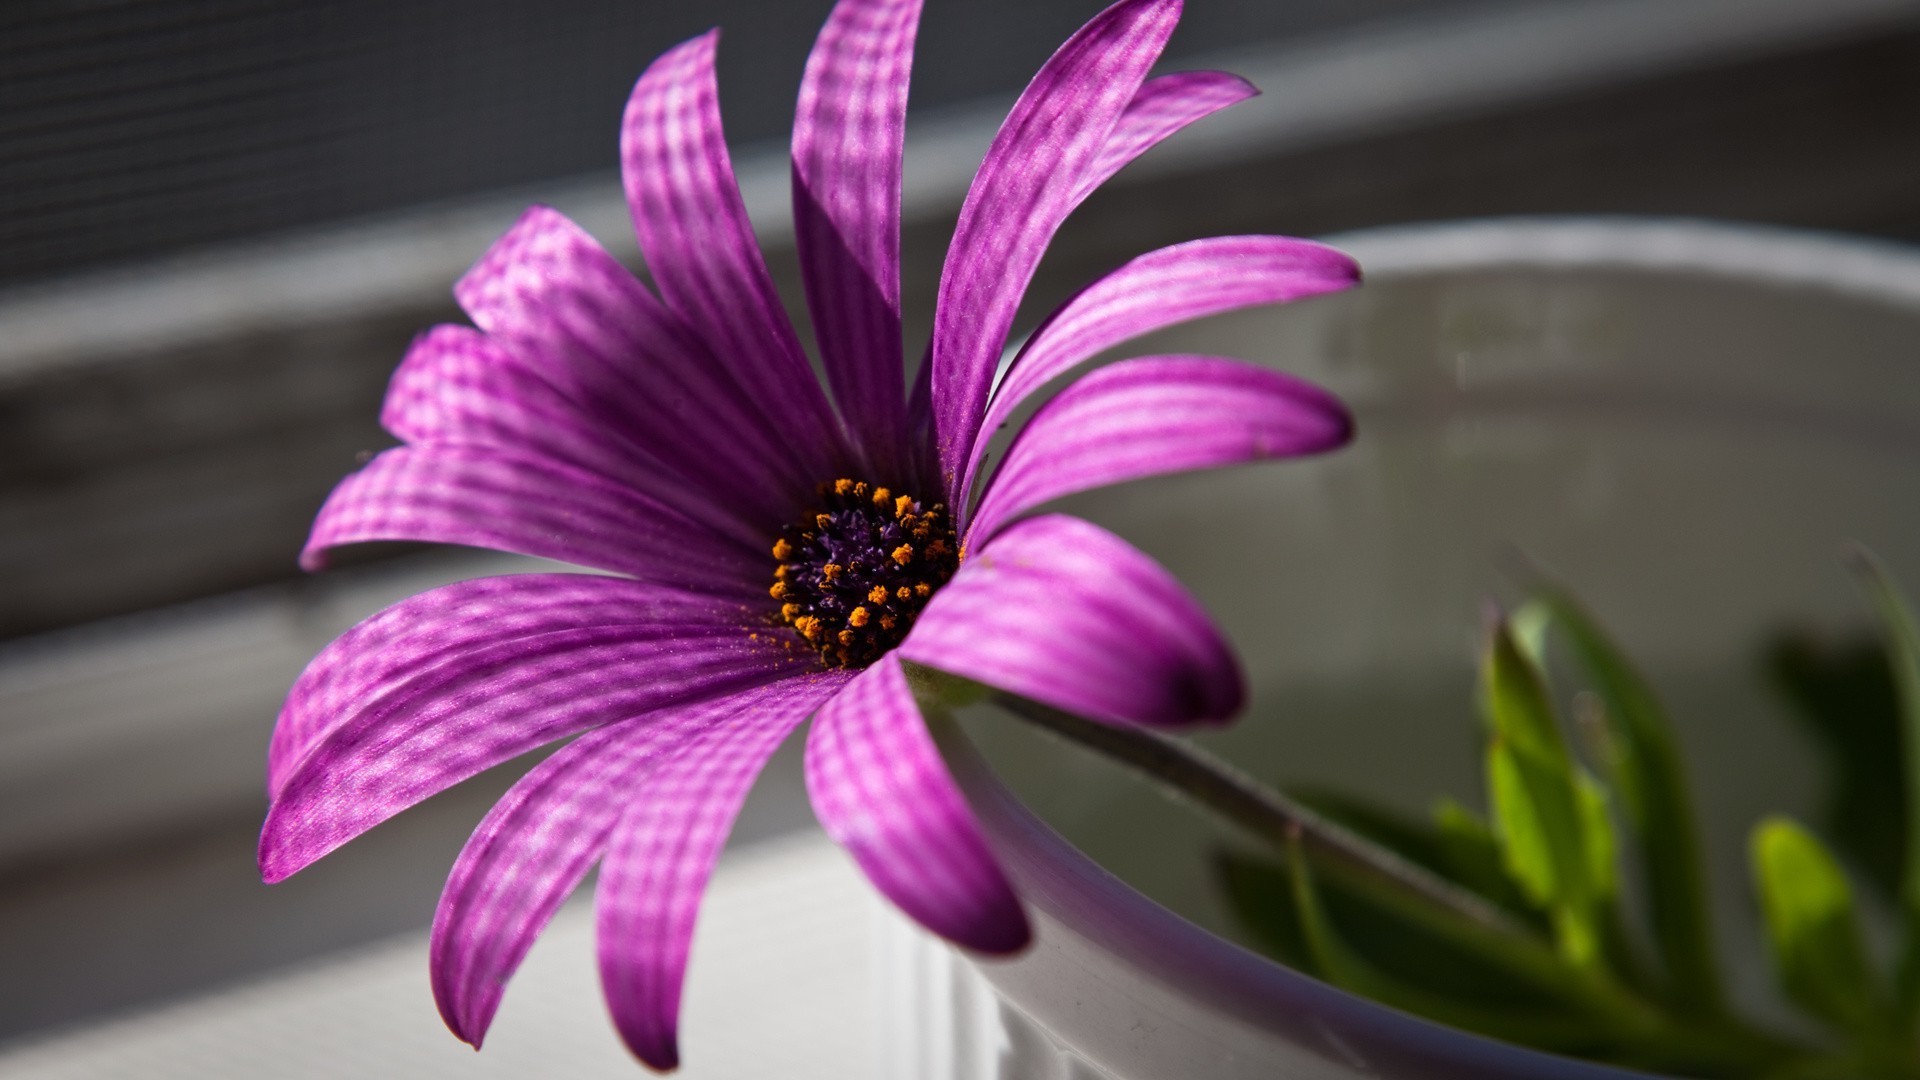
column 487, row 704
column 1025, row 187
column 383, row 652
column 1070, row 615
column 882, row 792
column 457, row 386
column 693, row 231
column 496, row 499
column 550, row 292
column 536, row 845
column 1160, row 289
column 1156, row 415
column 847, row 140
column 1162, row 107
column 663, row 850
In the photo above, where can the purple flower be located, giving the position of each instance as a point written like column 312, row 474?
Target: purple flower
column 774, row 556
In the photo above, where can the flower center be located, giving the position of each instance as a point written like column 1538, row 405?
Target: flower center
column 852, row 577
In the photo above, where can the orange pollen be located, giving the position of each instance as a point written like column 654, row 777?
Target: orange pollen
column 850, row 577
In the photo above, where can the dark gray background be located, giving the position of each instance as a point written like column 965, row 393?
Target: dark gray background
column 132, row 128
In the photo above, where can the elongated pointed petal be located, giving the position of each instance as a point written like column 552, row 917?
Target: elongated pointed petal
column 1163, row 106
column 384, row 652
column 847, row 140
column 1070, row 615
column 495, row 499
column 662, row 853
column 1160, row 289
column 882, row 792
column 1024, row 189
column 1152, row 416
column 457, row 386
column 532, row 850
column 486, row 705
column 699, row 246
column 549, row 292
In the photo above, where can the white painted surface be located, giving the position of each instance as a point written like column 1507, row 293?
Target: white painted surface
column 780, row 987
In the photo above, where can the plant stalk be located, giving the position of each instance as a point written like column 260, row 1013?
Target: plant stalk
column 1190, row 772
column 1267, row 814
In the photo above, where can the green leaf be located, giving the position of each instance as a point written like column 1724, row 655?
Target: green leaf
column 1470, row 856
column 1842, row 693
column 1514, row 695
column 1260, row 892
column 1643, row 767
column 1400, row 833
column 1812, row 928
column 1540, row 816
column 1537, row 820
column 1534, row 1018
column 1596, row 827
column 1903, row 657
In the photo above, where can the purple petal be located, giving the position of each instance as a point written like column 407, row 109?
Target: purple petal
column 393, row 646
column 548, row 292
column 1157, row 415
column 1163, row 106
column 882, row 792
column 693, row 230
column 487, row 498
column 456, row 386
column 1068, row 614
column 663, row 850
column 1157, row 290
column 847, row 141
column 532, row 850
column 487, row 704
column 1024, row 189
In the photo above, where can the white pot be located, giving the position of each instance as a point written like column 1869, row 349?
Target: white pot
column 1681, row 420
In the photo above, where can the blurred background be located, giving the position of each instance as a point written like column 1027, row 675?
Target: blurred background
column 221, row 221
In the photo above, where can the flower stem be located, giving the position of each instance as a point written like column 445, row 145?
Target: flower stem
column 1189, row 771
column 1404, row 886
column 1719, row 1045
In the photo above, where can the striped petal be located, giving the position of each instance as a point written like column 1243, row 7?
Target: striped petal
column 1152, row 416
column 1160, row 289
column 495, row 499
column 882, row 792
column 1024, row 189
column 1163, row 106
column 662, row 853
column 699, row 246
column 585, row 324
column 1070, row 615
column 847, row 140
column 383, row 652
column 489, row 704
column 531, row 851
column 457, row 386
